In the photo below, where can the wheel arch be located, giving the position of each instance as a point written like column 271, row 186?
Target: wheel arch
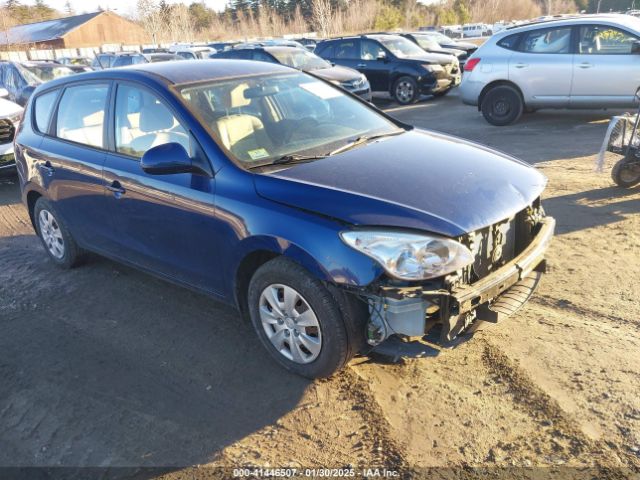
column 499, row 83
column 31, row 198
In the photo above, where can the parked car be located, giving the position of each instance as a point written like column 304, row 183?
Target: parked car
column 300, row 58
column 149, row 50
column 474, row 30
column 191, row 52
column 582, row 62
column 430, row 45
column 394, row 64
column 46, row 70
column 10, row 115
column 220, row 46
column 118, row 59
column 447, row 42
column 77, row 64
column 308, row 43
column 18, row 81
column 163, row 57
column 327, row 223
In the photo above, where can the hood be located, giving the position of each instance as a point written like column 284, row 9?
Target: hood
column 462, row 46
column 8, row 108
column 436, row 58
column 418, row 180
column 337, row 74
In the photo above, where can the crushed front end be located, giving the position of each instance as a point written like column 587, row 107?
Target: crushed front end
column 508, row 262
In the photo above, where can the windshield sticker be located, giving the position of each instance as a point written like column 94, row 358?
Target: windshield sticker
column 321, row 90
column 258, row 153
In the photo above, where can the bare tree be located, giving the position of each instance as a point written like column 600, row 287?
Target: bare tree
column 322, row 14
column 180, row 26
column 152, row 19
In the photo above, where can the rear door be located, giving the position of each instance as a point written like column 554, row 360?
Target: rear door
column 347, row 53
column 605, row 72
column 71, row 157
column 543, row 66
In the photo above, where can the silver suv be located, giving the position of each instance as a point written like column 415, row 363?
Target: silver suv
column 587, row 61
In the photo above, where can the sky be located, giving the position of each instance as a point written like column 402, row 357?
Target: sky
column 123, row 7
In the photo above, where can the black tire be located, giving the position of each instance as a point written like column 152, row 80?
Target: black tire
column 71, row 252
column 502, row 105
column 405, row 90
column 626, row 172
column 337, row 344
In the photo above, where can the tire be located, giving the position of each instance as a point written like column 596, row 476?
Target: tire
column 502, row 105
column 330, row 346
column 55, row 236
column 626, row 175
column 405, row 90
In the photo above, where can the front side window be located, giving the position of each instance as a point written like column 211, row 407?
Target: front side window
column 370, row 50
column 42, row 110
column 604, row 40
column 81, row 114
column 187, row 55
column 142, row 121
column 548, row 40
column 263, row 118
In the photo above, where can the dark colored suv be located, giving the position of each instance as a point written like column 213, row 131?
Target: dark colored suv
column 296, row 57
column 394, row 64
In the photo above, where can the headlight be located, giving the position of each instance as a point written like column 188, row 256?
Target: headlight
column 409, row 256
column 15, row 119
column 432, row 67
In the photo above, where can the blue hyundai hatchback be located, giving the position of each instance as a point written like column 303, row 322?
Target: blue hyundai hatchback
column 328, row 224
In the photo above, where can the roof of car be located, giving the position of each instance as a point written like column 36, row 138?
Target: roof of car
column 180, row 72
column 612, row 18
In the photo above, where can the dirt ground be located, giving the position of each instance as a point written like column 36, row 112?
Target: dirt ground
column 105, row 366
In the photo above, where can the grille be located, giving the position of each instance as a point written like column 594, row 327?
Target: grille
column 7, row 131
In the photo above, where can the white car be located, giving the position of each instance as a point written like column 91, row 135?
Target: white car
column 587, row 61
column 10, row 115
column 192, row 52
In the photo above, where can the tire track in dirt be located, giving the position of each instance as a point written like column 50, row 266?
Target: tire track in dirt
column 566, row 435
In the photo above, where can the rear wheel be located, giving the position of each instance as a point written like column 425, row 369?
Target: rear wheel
column 502, row 105
column 56, row 238
column 298, row 320
column 626, row 173
column 405, row 90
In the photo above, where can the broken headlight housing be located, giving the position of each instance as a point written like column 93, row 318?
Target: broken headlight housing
column 410, row 256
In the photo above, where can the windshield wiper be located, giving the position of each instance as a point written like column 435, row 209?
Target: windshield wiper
column 364, row 139
column 289, row 160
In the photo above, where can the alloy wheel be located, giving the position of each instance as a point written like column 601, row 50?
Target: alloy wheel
column 404, row 91
column 51, row 234
column 290, row 323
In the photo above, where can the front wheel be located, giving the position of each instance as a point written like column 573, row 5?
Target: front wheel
column 626, row 173
column 298, row 320
column 405, row 90
column 502, row 105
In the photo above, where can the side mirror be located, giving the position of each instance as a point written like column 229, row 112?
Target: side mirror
column 381, row 56
column 635, row 47
column 167, row 159
column 4, row 93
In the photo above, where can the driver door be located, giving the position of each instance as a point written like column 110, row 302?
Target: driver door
column 162, row 223
column 374, row 63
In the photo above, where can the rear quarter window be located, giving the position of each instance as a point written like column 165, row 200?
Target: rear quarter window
column 42, row 109
column 510, row 42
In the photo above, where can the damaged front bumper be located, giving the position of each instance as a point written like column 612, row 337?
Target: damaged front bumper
column 413, row 311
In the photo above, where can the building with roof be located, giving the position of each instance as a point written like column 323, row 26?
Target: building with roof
column 77, row 31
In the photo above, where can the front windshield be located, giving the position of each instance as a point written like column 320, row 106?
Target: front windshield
column 29, row 77
column 441, row 38
column 263, row 118
column 46, row 72
column 401, row 47
column 426, row 42
column 299, row 58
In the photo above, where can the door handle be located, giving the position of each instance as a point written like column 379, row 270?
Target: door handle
column 116, row 189
column 521, row 65
column 362, row 65
column 585, row 65
column 47, row 168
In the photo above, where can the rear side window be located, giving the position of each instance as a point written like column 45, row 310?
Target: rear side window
column 81, row 114
column 347, row 50
column 510, row 42
column 43, row 106
column 548, row 40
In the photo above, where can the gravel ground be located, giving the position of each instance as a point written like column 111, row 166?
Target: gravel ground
column 103, row 366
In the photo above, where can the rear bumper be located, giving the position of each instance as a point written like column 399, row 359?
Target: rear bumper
column 470, row 90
